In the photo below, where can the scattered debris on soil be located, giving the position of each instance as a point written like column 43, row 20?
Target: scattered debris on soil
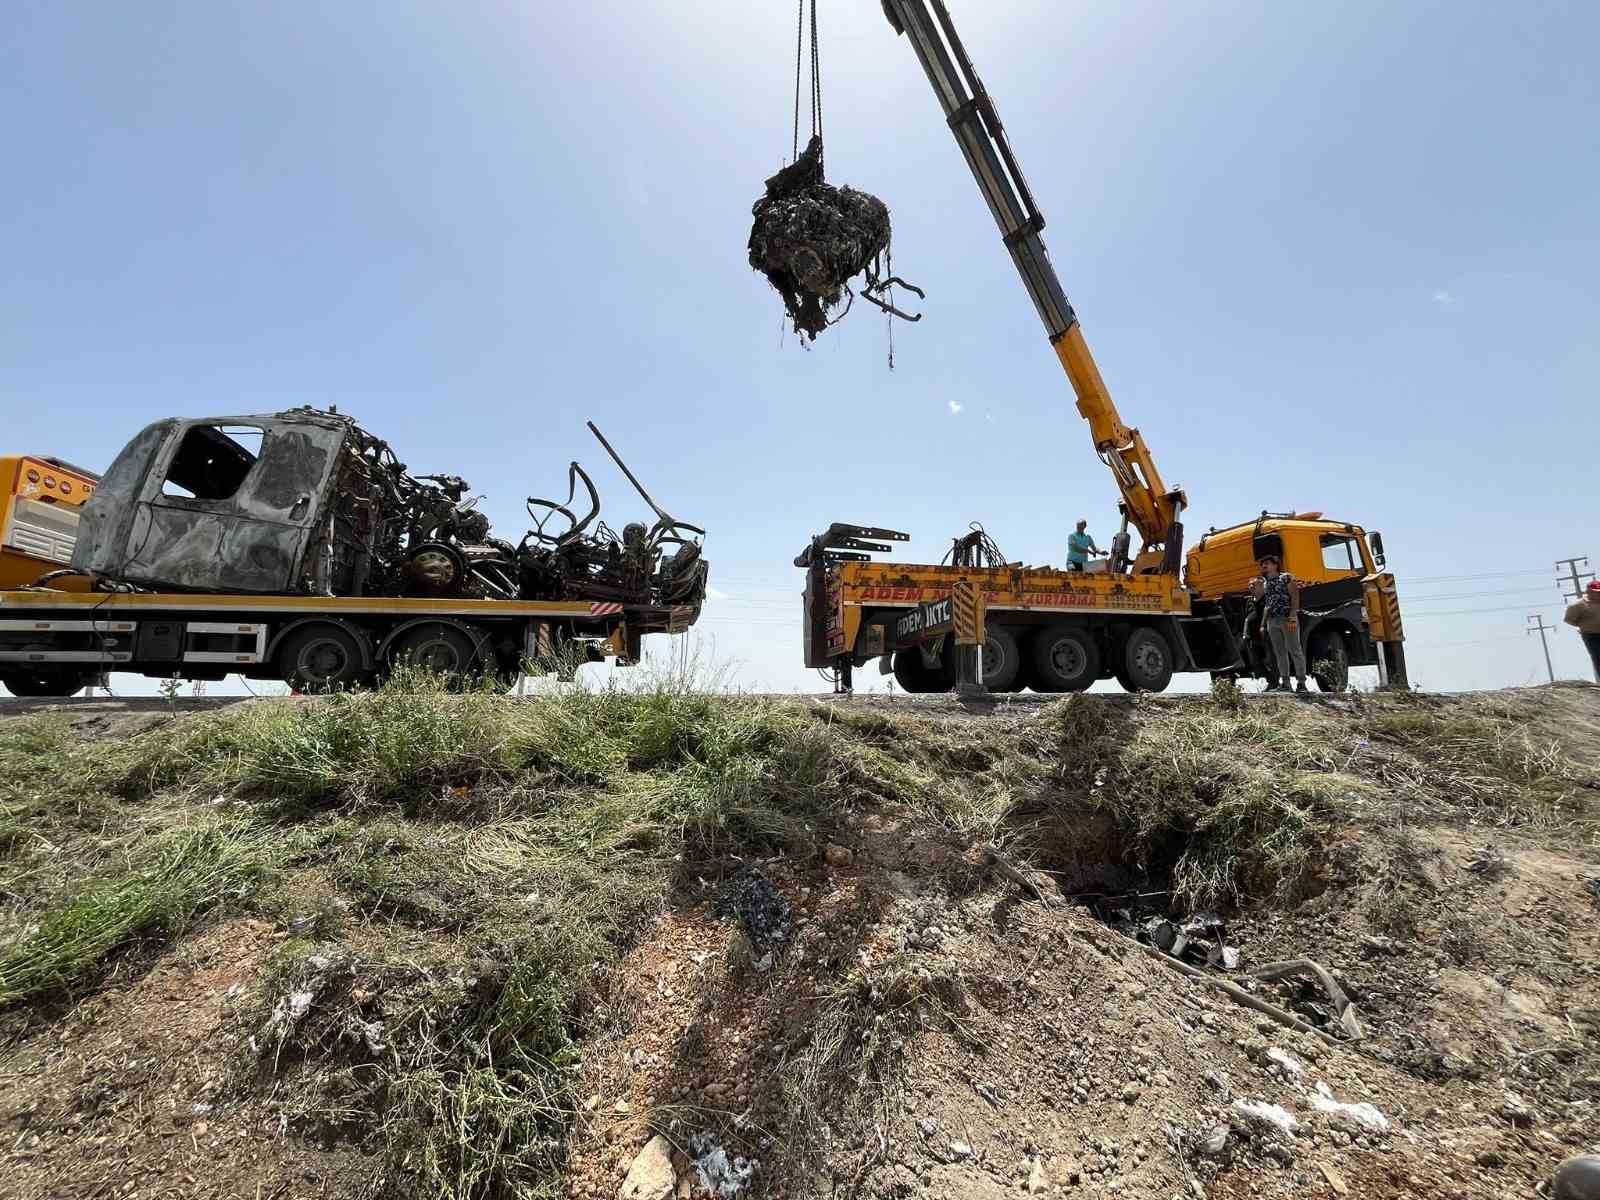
column 762, row 911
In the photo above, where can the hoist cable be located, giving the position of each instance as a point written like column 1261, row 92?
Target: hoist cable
column 799, row 44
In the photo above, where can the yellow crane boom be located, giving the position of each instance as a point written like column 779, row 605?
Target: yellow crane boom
column 1147, row 503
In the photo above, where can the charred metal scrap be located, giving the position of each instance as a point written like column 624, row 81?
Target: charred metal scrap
column 309, row 502
column 810, row 238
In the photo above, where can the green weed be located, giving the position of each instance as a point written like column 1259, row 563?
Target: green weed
column 183, row 873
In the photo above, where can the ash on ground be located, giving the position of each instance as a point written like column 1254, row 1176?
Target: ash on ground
column 761, row 909
column 810, row 237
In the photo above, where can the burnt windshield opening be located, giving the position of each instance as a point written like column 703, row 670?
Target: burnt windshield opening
column 212, row 461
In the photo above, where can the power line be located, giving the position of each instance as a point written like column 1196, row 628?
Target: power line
column 1469, row 578
column 1410, row 599
column 1457, row 612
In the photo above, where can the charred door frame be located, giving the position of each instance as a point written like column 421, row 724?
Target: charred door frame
column 253, row 540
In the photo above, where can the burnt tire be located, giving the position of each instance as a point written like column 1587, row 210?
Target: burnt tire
column 1144, row 661
column 321, row 658
column 1066, row 658
column 1002, row 659
column 54, row 682
column 438, row 648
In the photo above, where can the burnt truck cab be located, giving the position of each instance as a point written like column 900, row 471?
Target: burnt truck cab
column 1349, row 607
column 223, row 504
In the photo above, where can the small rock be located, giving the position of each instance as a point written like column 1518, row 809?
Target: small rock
column 1577, row 1179
column 1516, row 1111
column 1287, row 1064
column 201, row 1129
column 651, row 1176
column 927, row 1126
column 1130, row 1093
column 622, row 1108
column 1490, row 1158
column 1215, row 1143
column 838, row 856
column 960, row 1149
column 1037, row 1180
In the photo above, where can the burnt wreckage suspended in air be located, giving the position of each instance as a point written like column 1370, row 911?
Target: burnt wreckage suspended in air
column 308, row 502
column 810, row 239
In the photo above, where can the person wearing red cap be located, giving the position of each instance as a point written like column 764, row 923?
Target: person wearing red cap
column 1585, row 616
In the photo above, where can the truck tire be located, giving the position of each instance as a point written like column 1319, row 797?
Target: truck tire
column 1144, row 661
column 321, row 658
column 1329, row 648
column 46, row 681
column 437, row 647
column 1066, row 658
column 1002, row 660
column 912, row 676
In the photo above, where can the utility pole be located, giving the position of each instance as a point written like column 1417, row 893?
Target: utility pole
column 1572, row 577
column 1541, row 628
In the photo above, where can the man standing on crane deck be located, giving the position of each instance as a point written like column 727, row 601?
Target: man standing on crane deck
column 1585, row 616
column 1279, row 593
column 1079, row 546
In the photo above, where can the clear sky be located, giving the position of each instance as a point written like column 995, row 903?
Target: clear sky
column 1331, row 256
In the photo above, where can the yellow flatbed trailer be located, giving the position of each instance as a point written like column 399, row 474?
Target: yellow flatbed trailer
column 52, row 643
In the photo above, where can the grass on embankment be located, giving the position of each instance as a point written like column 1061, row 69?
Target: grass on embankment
column 477, row 860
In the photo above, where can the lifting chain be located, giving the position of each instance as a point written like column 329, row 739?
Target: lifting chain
column 816, row 74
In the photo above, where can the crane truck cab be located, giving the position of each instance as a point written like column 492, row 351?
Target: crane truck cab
column 40, row 509
column 1350, row 611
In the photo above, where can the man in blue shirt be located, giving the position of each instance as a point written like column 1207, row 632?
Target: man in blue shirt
column 1079, row 546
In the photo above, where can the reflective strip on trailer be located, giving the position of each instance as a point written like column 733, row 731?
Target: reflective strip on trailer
column 256, row 631
column 86, row 656
column 67, row 626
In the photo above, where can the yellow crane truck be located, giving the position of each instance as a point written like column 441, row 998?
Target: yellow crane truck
column 1133, row 617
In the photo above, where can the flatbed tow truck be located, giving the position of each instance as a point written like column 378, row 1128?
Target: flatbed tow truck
column 294, row 546
column 1133, row 617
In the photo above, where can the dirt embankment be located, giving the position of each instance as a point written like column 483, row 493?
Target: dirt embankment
column 436, row 945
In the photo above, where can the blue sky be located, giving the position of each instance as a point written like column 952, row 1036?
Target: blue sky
column 1328, row 256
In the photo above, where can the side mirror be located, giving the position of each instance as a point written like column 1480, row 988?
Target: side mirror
column 1375, row 539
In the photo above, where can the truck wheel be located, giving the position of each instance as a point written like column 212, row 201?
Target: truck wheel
column 1144, row 662
column 1001, row 660
column 1330, row 663
column 320, row 658
column 46, row 681
column 1066, row 658
column 913, row 677
column 440, row 648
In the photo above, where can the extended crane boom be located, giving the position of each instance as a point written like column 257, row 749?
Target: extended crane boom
column 1153, row 510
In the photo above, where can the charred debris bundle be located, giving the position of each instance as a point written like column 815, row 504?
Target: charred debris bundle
column 810, row 238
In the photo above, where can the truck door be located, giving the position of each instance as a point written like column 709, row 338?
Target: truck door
column 229, row 505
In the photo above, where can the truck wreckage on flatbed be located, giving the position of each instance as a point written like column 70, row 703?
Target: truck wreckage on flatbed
column 297, row 546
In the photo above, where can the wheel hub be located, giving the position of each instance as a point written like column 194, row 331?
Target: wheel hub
column 323, row 660
column 1148, row 660
column 1068, row 658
